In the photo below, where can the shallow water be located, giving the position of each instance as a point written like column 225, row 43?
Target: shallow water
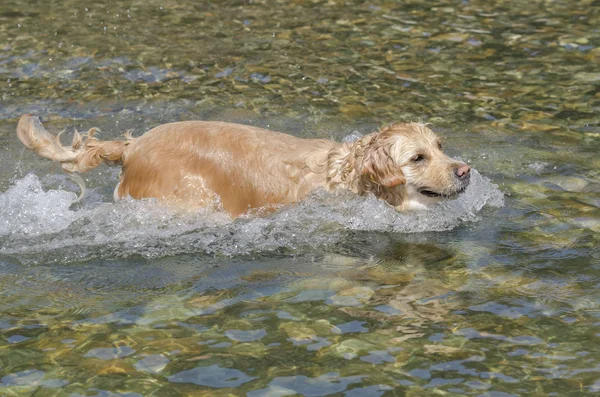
column 495, row 294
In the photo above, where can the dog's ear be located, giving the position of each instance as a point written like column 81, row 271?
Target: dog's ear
column 379, row 166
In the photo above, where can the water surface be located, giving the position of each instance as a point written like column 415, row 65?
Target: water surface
column 495, row 294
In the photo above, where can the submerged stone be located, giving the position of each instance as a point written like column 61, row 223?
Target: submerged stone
column 569, row 183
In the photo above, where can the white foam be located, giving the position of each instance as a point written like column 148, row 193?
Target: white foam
column 354, row 136
column 41, row 226
column 27, row 210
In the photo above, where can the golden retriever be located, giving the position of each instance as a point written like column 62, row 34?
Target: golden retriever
column 240, row 168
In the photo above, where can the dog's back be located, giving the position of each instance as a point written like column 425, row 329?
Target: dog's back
column 195, row 164
column 239, row 167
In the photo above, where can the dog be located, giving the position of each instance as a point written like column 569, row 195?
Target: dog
column 239, row 168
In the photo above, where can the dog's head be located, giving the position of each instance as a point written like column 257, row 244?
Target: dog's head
column 406, row 164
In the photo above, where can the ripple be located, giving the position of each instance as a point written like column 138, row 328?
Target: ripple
column 245, row 336
column 152, row 364
column 110, row 353
column 471, row 333
column 5, row 325
column 31, row 378
column 371, row 391
column 323, row 385
column 221, row 345
column 212, row 376
column 511, row 312
column 350, row 327
column 436, row 382
column 16, row 339
column 105, row 393
column 378, row 357
column 459, row 367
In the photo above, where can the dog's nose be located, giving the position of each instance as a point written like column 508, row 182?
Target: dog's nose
column 462, row 171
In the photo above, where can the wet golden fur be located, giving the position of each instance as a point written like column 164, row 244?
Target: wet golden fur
column 238, row 167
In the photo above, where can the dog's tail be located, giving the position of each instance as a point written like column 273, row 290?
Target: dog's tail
column 85, row 153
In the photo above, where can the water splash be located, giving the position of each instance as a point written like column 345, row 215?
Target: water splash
column 38, row 225
column 27, row 210
column 353, row 137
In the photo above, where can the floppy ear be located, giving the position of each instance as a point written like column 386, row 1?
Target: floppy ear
column 379, row 166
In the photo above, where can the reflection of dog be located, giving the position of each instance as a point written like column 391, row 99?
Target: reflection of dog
column 200, row 163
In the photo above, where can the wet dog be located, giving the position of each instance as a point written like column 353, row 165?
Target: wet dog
column 239, row 168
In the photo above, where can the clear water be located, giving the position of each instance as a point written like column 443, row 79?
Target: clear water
column 495, row 294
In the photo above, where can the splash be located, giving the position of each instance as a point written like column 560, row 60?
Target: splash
column 27, row 210
column 38, row 225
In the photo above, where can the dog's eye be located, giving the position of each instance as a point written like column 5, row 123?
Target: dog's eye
column 440, row 145
column 418, row 158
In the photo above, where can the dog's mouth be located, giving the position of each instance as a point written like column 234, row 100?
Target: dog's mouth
column 431, row 193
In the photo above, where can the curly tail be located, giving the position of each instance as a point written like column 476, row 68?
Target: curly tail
column 85, row 153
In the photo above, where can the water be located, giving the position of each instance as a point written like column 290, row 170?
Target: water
column 495, row 294
column 40, row 225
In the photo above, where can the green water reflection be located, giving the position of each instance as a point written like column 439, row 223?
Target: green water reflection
column 504, row 304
